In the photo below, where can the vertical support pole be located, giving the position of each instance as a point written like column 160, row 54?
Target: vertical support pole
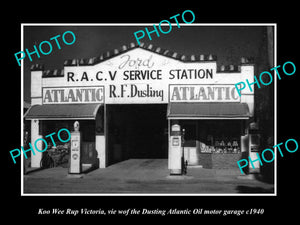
column 100, row 138
column 36, row 134
column 36, row 99
column 245, row 144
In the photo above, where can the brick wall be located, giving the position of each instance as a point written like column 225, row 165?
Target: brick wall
column 225, row 161
column 219, row 161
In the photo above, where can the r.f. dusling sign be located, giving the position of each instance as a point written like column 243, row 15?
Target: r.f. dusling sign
column 140, row 77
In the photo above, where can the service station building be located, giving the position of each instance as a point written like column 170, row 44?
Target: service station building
column 136, row 101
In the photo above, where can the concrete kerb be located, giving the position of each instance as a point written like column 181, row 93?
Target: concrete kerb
column 76, row 176
column 179, row 177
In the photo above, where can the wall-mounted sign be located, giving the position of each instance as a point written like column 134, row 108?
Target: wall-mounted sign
column 140, row 76
column 203, row 93
column 72, row 95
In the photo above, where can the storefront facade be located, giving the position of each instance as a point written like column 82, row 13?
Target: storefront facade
column 127, row 100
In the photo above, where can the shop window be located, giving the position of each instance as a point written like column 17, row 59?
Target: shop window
column 60, row 152
column 219, row 136
column 51, row 126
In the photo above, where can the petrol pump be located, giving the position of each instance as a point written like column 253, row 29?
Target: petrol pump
column 176, row 157
column 254, row 147
column 75, row 153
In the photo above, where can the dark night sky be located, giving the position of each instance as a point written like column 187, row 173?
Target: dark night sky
column 229, row 43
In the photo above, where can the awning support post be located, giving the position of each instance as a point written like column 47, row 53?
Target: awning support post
column 36, row 134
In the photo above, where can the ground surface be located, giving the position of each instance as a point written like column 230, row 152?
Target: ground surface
column 144, row 176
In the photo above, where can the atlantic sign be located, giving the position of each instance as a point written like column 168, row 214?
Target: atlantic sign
column 73, row 95
column 140, row 76
column 203, row 93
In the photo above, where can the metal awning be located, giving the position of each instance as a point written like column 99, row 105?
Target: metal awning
column 211, row 110
column 62, row 112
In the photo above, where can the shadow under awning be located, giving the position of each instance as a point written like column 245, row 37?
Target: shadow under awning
column 62, row 112
column 210, row 110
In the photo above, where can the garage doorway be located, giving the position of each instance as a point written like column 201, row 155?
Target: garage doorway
column 136, row 131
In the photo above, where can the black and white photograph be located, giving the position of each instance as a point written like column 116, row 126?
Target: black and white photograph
column 144, row 112
column 177, row 114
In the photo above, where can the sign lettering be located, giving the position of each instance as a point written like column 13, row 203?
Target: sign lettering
column 143, row 77
column 203, row 93
column 57, row 95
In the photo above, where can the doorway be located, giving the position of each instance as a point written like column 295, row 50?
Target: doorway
column 137, row 131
